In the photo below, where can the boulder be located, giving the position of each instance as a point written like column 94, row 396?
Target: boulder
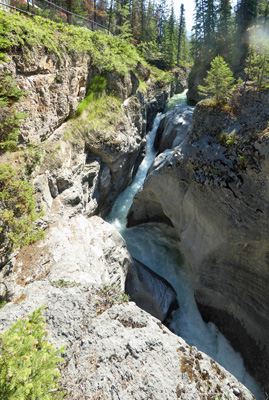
column 150, row 291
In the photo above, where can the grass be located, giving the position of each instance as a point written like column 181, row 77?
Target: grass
column 107, row 53
column 98, row 120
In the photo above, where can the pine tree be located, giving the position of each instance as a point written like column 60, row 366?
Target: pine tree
column 28, row 361
column 151, row 31
column 198, row 31
column 181, row 43
column 169, row 45
column 135, row 24
column 162, row 18
column 224, row 28
column 209, row 22
column 219, row 80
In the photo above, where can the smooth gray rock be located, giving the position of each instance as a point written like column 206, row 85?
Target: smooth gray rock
column 85, row 251
column 150, row 291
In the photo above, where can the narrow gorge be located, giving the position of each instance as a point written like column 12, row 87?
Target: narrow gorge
column 197, row 217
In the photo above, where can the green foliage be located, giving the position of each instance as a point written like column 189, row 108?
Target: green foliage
column 10, row 118
column 33, row 155
column 242, row 162
column 219, row 80
column 107, row 53
column 103, row 117
column 28, row 362
column 3, row 302
column 95, row 91
column 142, row 87
column 17, row 209
column 39, row 12
column 257, row 63
column 228, row 140
column 165, row 78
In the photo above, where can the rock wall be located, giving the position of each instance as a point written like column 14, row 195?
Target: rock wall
column 219, row 206
column 53, row 86
column 79, row 175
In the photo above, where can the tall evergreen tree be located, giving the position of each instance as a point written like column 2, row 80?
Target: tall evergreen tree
column 246, row 12
column 209, row 21
column 224, row 28
column 169, row 45
column 198, row 37
column 181, row 32
column 162, row 18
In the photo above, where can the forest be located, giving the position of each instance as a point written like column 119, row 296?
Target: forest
column 160, row 34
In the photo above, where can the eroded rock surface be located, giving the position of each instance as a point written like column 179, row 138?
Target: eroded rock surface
column 86, row 251
column 117, row 350
column 216, row 197
column 53, row 86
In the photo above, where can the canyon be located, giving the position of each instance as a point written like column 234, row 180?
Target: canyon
column 214, row 201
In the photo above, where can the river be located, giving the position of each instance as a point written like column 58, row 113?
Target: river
column 151, row 245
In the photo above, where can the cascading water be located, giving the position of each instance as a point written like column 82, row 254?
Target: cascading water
column 159, row 251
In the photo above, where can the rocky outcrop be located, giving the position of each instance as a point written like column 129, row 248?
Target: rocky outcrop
column 113, row 349
column 53, row 86
column 150, row 291
column 196, row 78
column 86, row 251
column 173, row 127
column 213, row 188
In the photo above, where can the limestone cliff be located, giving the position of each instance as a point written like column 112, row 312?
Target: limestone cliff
column 82, row 168
column 213, row 188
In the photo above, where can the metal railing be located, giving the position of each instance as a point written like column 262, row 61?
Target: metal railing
column 62, row 14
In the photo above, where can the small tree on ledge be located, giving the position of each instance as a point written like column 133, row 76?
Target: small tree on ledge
column 219, row 80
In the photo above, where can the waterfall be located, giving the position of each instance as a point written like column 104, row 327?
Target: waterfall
column 159, row 251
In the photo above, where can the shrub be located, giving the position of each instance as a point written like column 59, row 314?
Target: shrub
column 18, row 209
column 28, row 362
column 10, row 118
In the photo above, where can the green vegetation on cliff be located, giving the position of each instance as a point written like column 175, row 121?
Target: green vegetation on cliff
column 96, row 117
column 18, row 209
column 107, row 53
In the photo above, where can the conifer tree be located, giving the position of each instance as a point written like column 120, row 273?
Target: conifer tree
column 246, row 12
column 169, row 41
column 257, row 63
column 209, row 22
column 219, row 80
column 224, row 28
column 181, row 33
column 198, row 30
column 162, row 18
column 28, row 362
